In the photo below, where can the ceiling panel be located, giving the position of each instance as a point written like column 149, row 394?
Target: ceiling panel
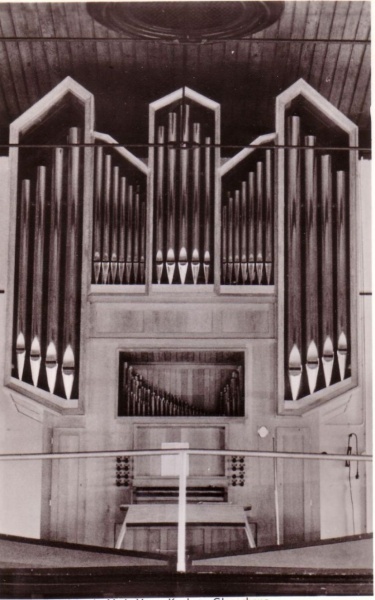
column 243, row 75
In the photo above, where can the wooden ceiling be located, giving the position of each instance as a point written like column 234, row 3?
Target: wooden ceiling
column 323, row 42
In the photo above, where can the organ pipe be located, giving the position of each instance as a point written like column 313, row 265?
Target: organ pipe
column 243, row 253
column 294, row 257
column 207, row 210
column 195, row 259
column 136, row 222
column 144, row 399
column 69, row 362
column 327, row 335
column 251, row 226
column 122, row 230
column 38, row 272
column 106, row 217
column 342, row 273
column 230, row 240
column 184, row 183
column 129, row 236
column 23, row 264
column 142, row 244
column 97, row 244
column 159, row 204
column 115, row 219
column 54, row 269
column 236, row 236
column 259, row 256
column 311, row 265
column 171, row 196
column 224, row 247
column 268, row 216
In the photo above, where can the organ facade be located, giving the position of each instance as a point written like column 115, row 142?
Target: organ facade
column 186, row 297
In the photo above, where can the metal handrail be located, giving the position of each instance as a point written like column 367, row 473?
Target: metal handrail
column 183, row 470
column 155, row 452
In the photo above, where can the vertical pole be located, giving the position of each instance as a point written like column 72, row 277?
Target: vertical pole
column 181, row 543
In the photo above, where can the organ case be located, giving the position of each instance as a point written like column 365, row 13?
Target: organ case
column 188, row 218
column 316, row 237
column 51, row 186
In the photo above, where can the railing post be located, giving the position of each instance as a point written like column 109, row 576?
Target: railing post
column 181, row 543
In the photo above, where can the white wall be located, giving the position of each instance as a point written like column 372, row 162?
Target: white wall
column 20, row 482
column 346, row 503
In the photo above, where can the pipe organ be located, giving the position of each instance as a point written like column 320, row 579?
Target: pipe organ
column 48, row 258
column 49, row 267
column 275, row 219
column 182, row 384
column 247, row 220
column 184, row 130
column 119, row 228
column 317, row 247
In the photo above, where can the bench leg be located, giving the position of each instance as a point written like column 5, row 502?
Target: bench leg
column 121, row 535
column 249, row 534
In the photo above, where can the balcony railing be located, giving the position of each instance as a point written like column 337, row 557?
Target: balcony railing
column 181, row 467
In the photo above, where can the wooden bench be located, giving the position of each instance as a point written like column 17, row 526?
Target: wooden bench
column 196, row 514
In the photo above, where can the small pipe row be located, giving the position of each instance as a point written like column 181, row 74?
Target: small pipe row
column 119, row 244
column 247, row 228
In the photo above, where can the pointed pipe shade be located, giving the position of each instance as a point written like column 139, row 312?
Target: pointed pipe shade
column 207, row 209
column 243, row 224
column 342, row 273
column 38, row 273
column 159, row 241
column 251, row 226
column 23, row 263
column 259, row 255
column 184, row 191
column 268, row 215
column 54, row 273
column 327, row 335
column 122, row 230
column 171, row 196
column 236, row 236
column 115, row 221
column 97, row 242
column 195, row 264
column 129, row 236
column 293, row 251
column 106, row 217
column 311, row 263
column 70, row 323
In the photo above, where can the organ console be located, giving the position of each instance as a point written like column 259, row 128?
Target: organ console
column 188, row 216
